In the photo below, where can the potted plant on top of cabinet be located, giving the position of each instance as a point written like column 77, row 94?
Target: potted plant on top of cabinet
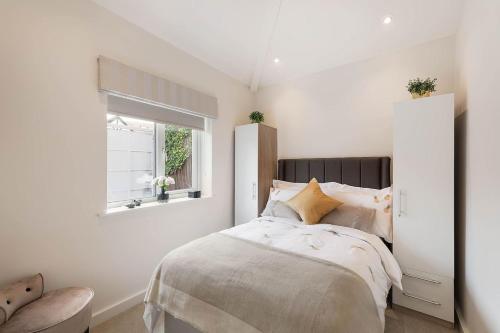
column 421, row 88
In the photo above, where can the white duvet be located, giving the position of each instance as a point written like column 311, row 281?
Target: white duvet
column 363, row 253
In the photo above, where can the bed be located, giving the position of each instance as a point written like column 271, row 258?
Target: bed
column 273, row 274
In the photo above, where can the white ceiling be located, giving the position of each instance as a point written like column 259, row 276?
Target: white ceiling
column 242, row 37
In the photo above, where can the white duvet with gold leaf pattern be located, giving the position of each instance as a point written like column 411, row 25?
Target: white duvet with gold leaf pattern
column 363, row 253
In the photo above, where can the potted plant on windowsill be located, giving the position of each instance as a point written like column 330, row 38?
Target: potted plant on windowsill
column 421, row 88
column 163, row 182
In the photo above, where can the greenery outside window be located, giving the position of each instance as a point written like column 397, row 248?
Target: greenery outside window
column 140, row 150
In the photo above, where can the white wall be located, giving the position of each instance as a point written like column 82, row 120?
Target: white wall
column 478, row 165
column 347, row 111
column 53, row 150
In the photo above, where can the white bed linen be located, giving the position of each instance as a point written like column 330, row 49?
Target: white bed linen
column 363, row 253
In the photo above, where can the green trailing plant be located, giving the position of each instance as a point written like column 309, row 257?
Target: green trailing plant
column 177, row 148
column 421, row 87
column 256, row 117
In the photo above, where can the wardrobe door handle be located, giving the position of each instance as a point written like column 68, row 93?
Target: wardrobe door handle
column 400, row 208
column 399, row 203
column 254, row 191
column 421, row 278
column 421, row 299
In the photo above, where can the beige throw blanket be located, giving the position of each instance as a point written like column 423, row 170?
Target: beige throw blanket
column 220, row 283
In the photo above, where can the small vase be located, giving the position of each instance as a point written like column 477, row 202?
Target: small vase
column 416, row 95
column 163, row 196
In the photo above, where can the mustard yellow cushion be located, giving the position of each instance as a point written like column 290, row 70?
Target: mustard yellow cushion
column 312, row 204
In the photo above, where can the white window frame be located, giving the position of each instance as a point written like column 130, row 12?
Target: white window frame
column 159, row 165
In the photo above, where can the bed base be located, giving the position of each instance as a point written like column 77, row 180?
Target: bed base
column 174, row 325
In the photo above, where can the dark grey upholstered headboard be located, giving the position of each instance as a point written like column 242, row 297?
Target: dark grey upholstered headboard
column 371, row 172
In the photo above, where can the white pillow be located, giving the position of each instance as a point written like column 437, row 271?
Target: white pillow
column 380, row 200
column 279, row 194
column 349, row 188
column 280, row 209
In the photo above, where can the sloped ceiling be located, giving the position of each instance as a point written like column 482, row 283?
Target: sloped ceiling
column 242, row 37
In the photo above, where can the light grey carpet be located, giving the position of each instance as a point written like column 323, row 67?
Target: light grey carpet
column 396, row 322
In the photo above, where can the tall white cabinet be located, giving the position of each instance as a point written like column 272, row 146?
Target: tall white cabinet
column 423, row 178
column 255, row 165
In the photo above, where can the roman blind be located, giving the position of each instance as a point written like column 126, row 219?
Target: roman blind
column 137, row 93
column 129, row 107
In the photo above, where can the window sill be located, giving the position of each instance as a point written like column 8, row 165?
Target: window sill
column 148, row 205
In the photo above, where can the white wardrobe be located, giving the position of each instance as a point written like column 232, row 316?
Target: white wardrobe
column 423, row 180
column 255, row 165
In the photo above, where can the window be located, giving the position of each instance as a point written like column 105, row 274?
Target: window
column 140, row 150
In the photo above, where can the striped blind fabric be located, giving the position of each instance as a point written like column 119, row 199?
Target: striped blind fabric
column 144, row 95
column 132, row 108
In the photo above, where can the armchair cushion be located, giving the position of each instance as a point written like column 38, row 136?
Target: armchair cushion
column 19, row 294
column 58, row 311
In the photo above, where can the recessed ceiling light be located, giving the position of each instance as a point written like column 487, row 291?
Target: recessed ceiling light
column 387, row 20
column 276, row 60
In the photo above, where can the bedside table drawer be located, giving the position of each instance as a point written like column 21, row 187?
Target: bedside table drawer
column 427, row 293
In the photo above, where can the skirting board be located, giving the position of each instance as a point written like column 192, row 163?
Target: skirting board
column 117, row 308
column 461, row 321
